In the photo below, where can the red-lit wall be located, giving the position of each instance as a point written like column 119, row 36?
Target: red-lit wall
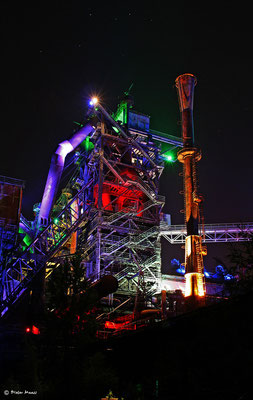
column 10, row 203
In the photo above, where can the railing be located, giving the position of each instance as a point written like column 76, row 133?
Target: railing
column 22, row 271
column 11, row 181
column 123, row 273
column 231, row 232
column 145, row 267
column 25, row 222
column 132, row 241
column 130, row 211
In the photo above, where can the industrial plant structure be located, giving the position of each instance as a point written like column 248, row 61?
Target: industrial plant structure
column 110, row 211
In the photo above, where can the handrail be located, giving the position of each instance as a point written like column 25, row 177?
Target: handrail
column 44, row 247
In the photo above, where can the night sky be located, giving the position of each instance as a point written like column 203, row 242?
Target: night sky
column 55, row 57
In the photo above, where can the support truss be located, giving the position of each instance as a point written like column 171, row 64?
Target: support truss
column 18, row 275
column 214, row 233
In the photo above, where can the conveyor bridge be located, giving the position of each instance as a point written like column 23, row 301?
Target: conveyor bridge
column 214, row 233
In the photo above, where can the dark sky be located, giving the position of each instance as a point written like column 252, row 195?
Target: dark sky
column 55, row 57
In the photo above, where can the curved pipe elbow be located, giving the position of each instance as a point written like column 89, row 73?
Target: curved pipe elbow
column 63, row 149
column 55, row 171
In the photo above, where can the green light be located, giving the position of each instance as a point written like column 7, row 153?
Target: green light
column 169, row 155
column 27, row 240
column 121, row 113
column 78, row 123
column 87, row 144
column 56, row 221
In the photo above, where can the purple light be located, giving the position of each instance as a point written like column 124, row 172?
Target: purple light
column 55, row 171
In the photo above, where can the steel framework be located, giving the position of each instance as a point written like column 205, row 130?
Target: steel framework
column 213, row 233
column 113, row 218
column 18, row 274
column 123, row 233
column 111, row 212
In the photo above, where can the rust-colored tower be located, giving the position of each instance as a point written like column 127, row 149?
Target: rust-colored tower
column 189, row 155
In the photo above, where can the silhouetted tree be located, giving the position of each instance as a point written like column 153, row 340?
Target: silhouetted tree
column 70, row 306
column 241, row 266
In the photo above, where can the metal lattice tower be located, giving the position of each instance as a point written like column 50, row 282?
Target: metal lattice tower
column 110, row 210
column 124, row 227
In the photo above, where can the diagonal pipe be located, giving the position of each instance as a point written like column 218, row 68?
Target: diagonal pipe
column 56, row 168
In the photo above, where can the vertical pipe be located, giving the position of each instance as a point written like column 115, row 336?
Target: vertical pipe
column 100, row 202
column 163, row 304
column 74, row 217
column 189, row 155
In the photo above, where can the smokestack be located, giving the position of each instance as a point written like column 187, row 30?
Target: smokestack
column 189, row 155
column 185, row 86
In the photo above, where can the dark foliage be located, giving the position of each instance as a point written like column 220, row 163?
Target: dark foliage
column 241, row 266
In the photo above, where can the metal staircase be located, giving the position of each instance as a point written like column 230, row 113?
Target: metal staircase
column 123, row 273
column 130, row 241
column 128, row 272
column 130, row 212
column 18, row 275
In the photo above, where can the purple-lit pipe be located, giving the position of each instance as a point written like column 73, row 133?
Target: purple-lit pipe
column 55, row 171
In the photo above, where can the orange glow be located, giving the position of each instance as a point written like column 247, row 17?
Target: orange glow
column 188, row 246
column 94, row 100
column 194, row 276
column 194, row 284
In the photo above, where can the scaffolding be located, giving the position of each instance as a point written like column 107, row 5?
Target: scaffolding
column 110, row 212
column 114, row 217
column 123, row 231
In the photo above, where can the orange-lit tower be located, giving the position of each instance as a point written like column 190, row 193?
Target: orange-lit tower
column 189, row 155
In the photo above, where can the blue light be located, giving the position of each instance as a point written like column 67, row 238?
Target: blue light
column 180, row 270
column 174, row 262
column 207, row 274
column 220, row 269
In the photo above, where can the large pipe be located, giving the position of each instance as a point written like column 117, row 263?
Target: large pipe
column 185, row 86
column 189, row 155
column 56, row 168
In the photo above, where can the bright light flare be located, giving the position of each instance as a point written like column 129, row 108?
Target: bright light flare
column 93, row 101
column 168, row 157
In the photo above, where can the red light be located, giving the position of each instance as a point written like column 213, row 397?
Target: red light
column 35, row 330
column 110, row 325
column 128, row 325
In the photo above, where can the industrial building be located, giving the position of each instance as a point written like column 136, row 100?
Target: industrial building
column 110, row 211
